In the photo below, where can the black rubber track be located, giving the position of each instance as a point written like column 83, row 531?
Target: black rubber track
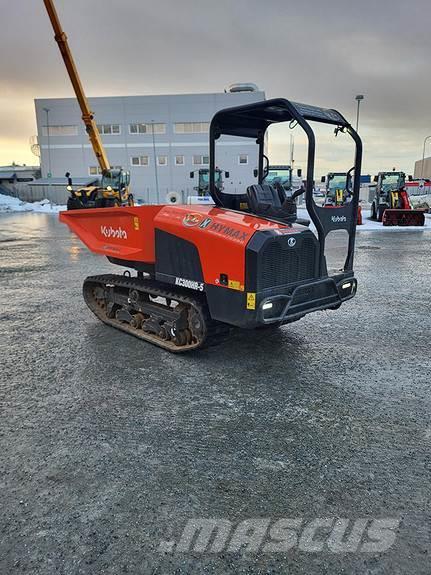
column 214, row 332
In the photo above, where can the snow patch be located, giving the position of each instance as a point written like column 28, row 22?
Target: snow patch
column 10, row 204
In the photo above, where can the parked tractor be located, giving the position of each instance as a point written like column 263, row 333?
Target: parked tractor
column 391, row 203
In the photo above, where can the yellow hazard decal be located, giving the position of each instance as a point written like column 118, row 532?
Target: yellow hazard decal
column 234, row 284
column 251, row 300
column 136, row 223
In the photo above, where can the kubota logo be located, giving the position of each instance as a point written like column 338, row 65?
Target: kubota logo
column 338, row 219
column 110, row 232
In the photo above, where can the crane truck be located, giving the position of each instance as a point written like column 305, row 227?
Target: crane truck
column 114, row 189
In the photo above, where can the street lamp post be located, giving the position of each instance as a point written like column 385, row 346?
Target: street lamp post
column 155, row 160
column 423, row 156
column 49, row 147
column 358, row 98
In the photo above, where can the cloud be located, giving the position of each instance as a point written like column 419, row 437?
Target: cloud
column 312, row 51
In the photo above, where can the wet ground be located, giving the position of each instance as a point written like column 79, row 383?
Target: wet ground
column 109, row 446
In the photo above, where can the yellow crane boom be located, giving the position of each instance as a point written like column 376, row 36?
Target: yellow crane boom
column 87, row 114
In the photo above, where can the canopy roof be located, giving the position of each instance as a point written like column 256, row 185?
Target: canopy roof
column 252, row 120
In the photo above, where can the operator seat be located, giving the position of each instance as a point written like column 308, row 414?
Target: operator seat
column 264, row 200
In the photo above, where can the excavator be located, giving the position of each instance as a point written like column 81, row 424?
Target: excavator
column 115, row 185
column 193, row 273
column 391, row 203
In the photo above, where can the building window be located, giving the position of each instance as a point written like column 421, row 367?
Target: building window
column 243, row 159
column 179, row 160
column 60, row 130
column 109, row 129
column 162, row 160
column 147, row 128
column 199, row 160
column 191, row 127
column 140, row 161
column 97, row 170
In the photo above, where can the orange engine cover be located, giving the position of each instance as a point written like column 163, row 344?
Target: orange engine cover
column 128, row 233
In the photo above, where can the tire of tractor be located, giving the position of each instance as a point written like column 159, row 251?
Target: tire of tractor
column 73, row 204
column 380, row 212
column 111, row 203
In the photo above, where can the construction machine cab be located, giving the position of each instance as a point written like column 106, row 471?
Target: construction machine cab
column 116, row 180
column 338, row 188
column 390, row 182
column 252, row 121
column 279, row 176
column 204, row 180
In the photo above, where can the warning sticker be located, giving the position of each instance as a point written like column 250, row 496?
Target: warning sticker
column 235, row 285
column 251, row 300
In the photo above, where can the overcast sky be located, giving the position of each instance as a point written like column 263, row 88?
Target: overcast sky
column 321, row 52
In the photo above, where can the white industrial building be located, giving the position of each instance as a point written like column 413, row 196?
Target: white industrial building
column 160, row 139
column 423, row 169
column 15, row 180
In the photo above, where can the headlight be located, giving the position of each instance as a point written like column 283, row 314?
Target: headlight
column 69, row 189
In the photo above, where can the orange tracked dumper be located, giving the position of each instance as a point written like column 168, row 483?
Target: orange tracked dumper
column 245, row 262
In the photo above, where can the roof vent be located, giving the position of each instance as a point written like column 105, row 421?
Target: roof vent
column 246, row 87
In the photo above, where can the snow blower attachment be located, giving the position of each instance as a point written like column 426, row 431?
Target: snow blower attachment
column 391, row 204
column 245, row 262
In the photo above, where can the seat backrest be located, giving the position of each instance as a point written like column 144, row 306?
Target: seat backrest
column 263, row 198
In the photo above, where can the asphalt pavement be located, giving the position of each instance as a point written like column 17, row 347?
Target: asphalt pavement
column 118, row 457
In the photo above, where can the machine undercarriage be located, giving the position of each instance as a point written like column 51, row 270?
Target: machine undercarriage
column 173, row 319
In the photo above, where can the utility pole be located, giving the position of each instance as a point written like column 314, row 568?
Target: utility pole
column 155, row 160
column 49, row 147
column 358, row 98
